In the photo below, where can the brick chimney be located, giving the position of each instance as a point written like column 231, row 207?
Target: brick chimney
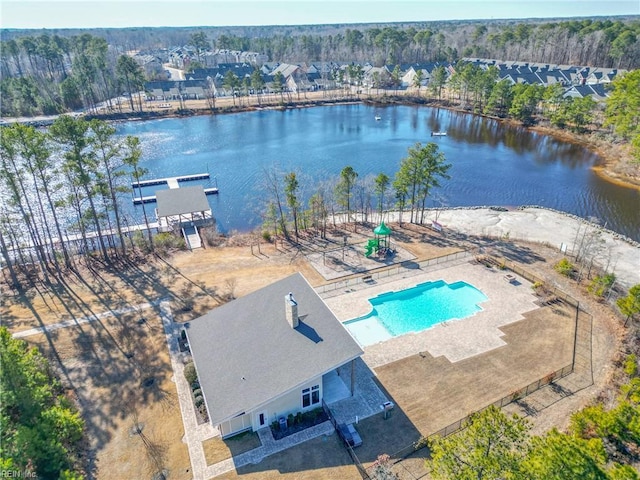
column 291, row 310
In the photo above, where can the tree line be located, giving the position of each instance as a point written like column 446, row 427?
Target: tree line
column 49, row 74
column 608, row 42
column 605, row 43
column 479, row 90
column 353, row 198
column 61, row 194
column 55, row 74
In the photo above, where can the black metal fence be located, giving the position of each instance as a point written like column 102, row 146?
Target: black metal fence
column 356, row 461
column 390, row 271
column 581, row 351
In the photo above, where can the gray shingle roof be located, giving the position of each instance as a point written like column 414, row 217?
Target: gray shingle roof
column 176, row 201
column 246, row 353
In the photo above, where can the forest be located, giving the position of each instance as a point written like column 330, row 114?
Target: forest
column 55, row 71
column 72, row 179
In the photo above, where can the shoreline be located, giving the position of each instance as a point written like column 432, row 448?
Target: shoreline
column 611, row 155
column 530, row 223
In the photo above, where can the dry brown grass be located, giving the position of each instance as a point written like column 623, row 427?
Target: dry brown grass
column 106, row 364
column 323, row 458
column 536, row 346
column 217, row 450
column 93, row 362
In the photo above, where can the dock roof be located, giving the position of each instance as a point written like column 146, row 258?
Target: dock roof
column 180, row 201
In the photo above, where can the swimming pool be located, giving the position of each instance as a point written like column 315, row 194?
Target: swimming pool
column 415, row 309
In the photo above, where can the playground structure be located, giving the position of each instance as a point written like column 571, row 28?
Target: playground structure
column 380, row 245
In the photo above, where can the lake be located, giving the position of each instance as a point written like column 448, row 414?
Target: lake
column 492, row 164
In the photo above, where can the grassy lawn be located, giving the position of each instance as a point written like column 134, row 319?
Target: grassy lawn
column 323, row 458
column 435, row 393
column 384, row 436
column 216, row 449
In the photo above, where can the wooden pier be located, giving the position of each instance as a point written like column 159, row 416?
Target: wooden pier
column 152, row 198
column 172, row 183
column 168, row 180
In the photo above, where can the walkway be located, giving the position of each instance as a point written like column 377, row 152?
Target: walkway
column 192, row 237
column 195, row 434
column 79, row 321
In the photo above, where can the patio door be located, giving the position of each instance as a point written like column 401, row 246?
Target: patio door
column 262, row 419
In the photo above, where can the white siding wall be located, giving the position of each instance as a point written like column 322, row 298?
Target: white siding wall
column 286, row 404
column 237, row 424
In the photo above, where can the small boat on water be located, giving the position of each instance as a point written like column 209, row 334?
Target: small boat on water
column 438, row 134
column 378, row 117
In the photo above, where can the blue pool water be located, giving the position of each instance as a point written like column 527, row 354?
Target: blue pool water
column 415, row 309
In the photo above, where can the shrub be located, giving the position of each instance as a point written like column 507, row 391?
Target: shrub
column 631, row 365
column 166, row 241
column 298, row 419
column 600, row 284
column 199, row 401
column 197, row 392
column 290, row 420
column 203, row 412
column 190, row 373
column 564, row 267
column 140, row 242
column 275, row 426
column 537, row 286
column 266, row 236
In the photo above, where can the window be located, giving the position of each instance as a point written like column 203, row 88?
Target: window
column 310, row 396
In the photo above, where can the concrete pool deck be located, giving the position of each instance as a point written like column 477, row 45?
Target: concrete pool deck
column 455, row 339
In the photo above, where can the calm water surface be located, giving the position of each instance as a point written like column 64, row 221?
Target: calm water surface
column 492, row 164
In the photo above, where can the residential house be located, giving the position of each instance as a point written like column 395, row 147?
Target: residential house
column 597, row 91
column 268, row 354
column 603, row 75
column 568, row 76
column 176, row 89
column 295, row 77
column 410, row 72
column 151, row 65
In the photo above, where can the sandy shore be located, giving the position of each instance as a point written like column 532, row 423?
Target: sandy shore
column 556, row 229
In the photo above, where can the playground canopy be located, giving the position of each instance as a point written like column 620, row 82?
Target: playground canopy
column 381, row 243
column 382, row 230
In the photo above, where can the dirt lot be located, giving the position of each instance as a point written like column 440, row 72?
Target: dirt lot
column 323, row 458
column 105, row 363
column 536, row 346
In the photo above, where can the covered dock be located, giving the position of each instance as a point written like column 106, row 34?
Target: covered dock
column 185, row 208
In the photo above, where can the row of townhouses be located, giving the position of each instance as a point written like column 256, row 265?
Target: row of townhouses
column 298, row 78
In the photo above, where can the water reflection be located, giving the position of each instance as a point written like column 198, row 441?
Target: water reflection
column 492, row 163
